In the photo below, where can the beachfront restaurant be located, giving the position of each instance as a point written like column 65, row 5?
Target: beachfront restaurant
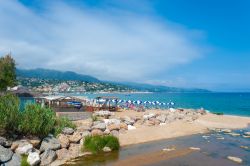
column 63, row 103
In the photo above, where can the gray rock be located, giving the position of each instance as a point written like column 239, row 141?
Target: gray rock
column 24, row 148
column 15, row 160
column 148, row 116
column 115, row 133
column 247, row 133
column 5, row 143
column 5, row 154
column 106, row 149
column 128, row 120
column 101, row 126
column 33, row 158
column 50, row 142
column 83, row 128
column 85, row 134
column 48, row 156
column 161, row 118
column 68, row 131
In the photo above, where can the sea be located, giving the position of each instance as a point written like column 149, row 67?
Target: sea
column 226, row 103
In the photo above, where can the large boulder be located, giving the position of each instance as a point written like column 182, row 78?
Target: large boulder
column 74, row 150
column 50, row 142
column 35, row 141
column 128, row 120
column 33, row 158
column 95, row 132
column 5, row 154
column 100, row 126
column 85, row 134
column 124, row 126
column 114, row 133
column 148, row 116
column 15, row 160
column 48, row 156
column 24, row 148
column 112, row 121
column 162, row 118
column 64, row 140
column 106, row 149
column 68, row 131
column 75, row 138
column 62, row 154
column 83, row 128
column 5, row 143
column 114, row 127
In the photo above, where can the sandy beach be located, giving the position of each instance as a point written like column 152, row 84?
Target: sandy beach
column 178, row 128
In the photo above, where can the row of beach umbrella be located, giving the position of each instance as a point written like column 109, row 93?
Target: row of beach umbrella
column 139, row 102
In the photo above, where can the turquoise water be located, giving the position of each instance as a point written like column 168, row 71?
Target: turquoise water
column 228, row 103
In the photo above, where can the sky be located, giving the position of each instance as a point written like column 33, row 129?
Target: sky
column 179, row 43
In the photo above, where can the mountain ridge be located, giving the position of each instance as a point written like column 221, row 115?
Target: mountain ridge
column 69, row 75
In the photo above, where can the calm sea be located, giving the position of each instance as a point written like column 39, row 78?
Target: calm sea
column 228, row 103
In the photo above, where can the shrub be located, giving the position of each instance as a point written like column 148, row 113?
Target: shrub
column 9, row 113
column 37, row 120
column 95, row 144
column 62, row 122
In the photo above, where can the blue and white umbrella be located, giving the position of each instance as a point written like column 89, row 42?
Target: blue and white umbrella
column 138, row 102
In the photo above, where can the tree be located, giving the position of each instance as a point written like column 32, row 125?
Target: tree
column 7, row 72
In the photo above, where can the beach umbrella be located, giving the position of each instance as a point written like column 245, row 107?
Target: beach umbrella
column 153, row 103
column 172, row 103
column 157, row 102
column 163, row 103
column 129, row 101
column 138, row 102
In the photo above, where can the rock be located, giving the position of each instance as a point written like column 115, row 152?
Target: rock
column 68, row 131
column 24, row 148
column 128, row 120
column 106, row 149
column 50, row 142
column 220, row 138
column 194, row 148
column 162, row 118
column 48, row 156
column 75, row 138
column 226, row 130
column 112, row 121
column 162, row 124
column 234, row 134
column 85, row 134
column 156, row 121
column 149, row 123
column 246, row 136
column 15, row 160
column 124, row 126
column 245, row 147
column 83, row 128
column 33, row 158
column 148, row 116
column 96, row 132
column 100, row 126
column 247, row 133
column 168, row 149
column 205, row 136
column 35, row 141
column 170, row 118
column 96, row 122
column 5, row 154
column 131, row 127
column 62, row 154
column 64, row 141
column 122, row 131
column 103, row 113
column 201, row 111
column 235, row 159
column 106, row 132
column 74, row 150
column 115, row 133
column 114, row 127
column 5, row 143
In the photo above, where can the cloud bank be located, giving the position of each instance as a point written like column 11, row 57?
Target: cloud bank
column 111, row 44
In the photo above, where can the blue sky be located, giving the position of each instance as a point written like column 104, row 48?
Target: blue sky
column 202, row 44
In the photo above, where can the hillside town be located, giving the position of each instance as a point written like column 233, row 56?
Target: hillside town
column 70, row 86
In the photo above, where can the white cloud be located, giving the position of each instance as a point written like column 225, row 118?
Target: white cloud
column 111, row 44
